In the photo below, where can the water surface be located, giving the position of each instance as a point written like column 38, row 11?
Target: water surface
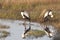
column 17, row 28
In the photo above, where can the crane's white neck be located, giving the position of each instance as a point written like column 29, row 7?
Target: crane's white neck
column 22, row 13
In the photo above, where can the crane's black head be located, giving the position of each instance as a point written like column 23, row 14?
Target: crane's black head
column 49, row 10
column 22, row 10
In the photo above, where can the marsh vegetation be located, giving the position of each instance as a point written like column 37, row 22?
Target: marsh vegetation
column 10, row 9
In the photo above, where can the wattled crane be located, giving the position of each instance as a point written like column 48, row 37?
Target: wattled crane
column 48, row 14
column 26, row 16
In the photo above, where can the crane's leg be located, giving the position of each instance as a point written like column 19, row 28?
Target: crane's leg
column 29, row 23
column 24, row 24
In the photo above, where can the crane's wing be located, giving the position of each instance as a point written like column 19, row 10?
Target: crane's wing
column 46, row 14
column 26, row 14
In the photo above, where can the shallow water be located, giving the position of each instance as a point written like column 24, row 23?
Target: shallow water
column 17, row 28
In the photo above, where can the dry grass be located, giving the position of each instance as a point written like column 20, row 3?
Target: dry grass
column 4, row 34
column 36, row 33
column 4, row 27
column 10, row 9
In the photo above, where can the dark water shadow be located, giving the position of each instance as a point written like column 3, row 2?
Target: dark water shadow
column 57, row 36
